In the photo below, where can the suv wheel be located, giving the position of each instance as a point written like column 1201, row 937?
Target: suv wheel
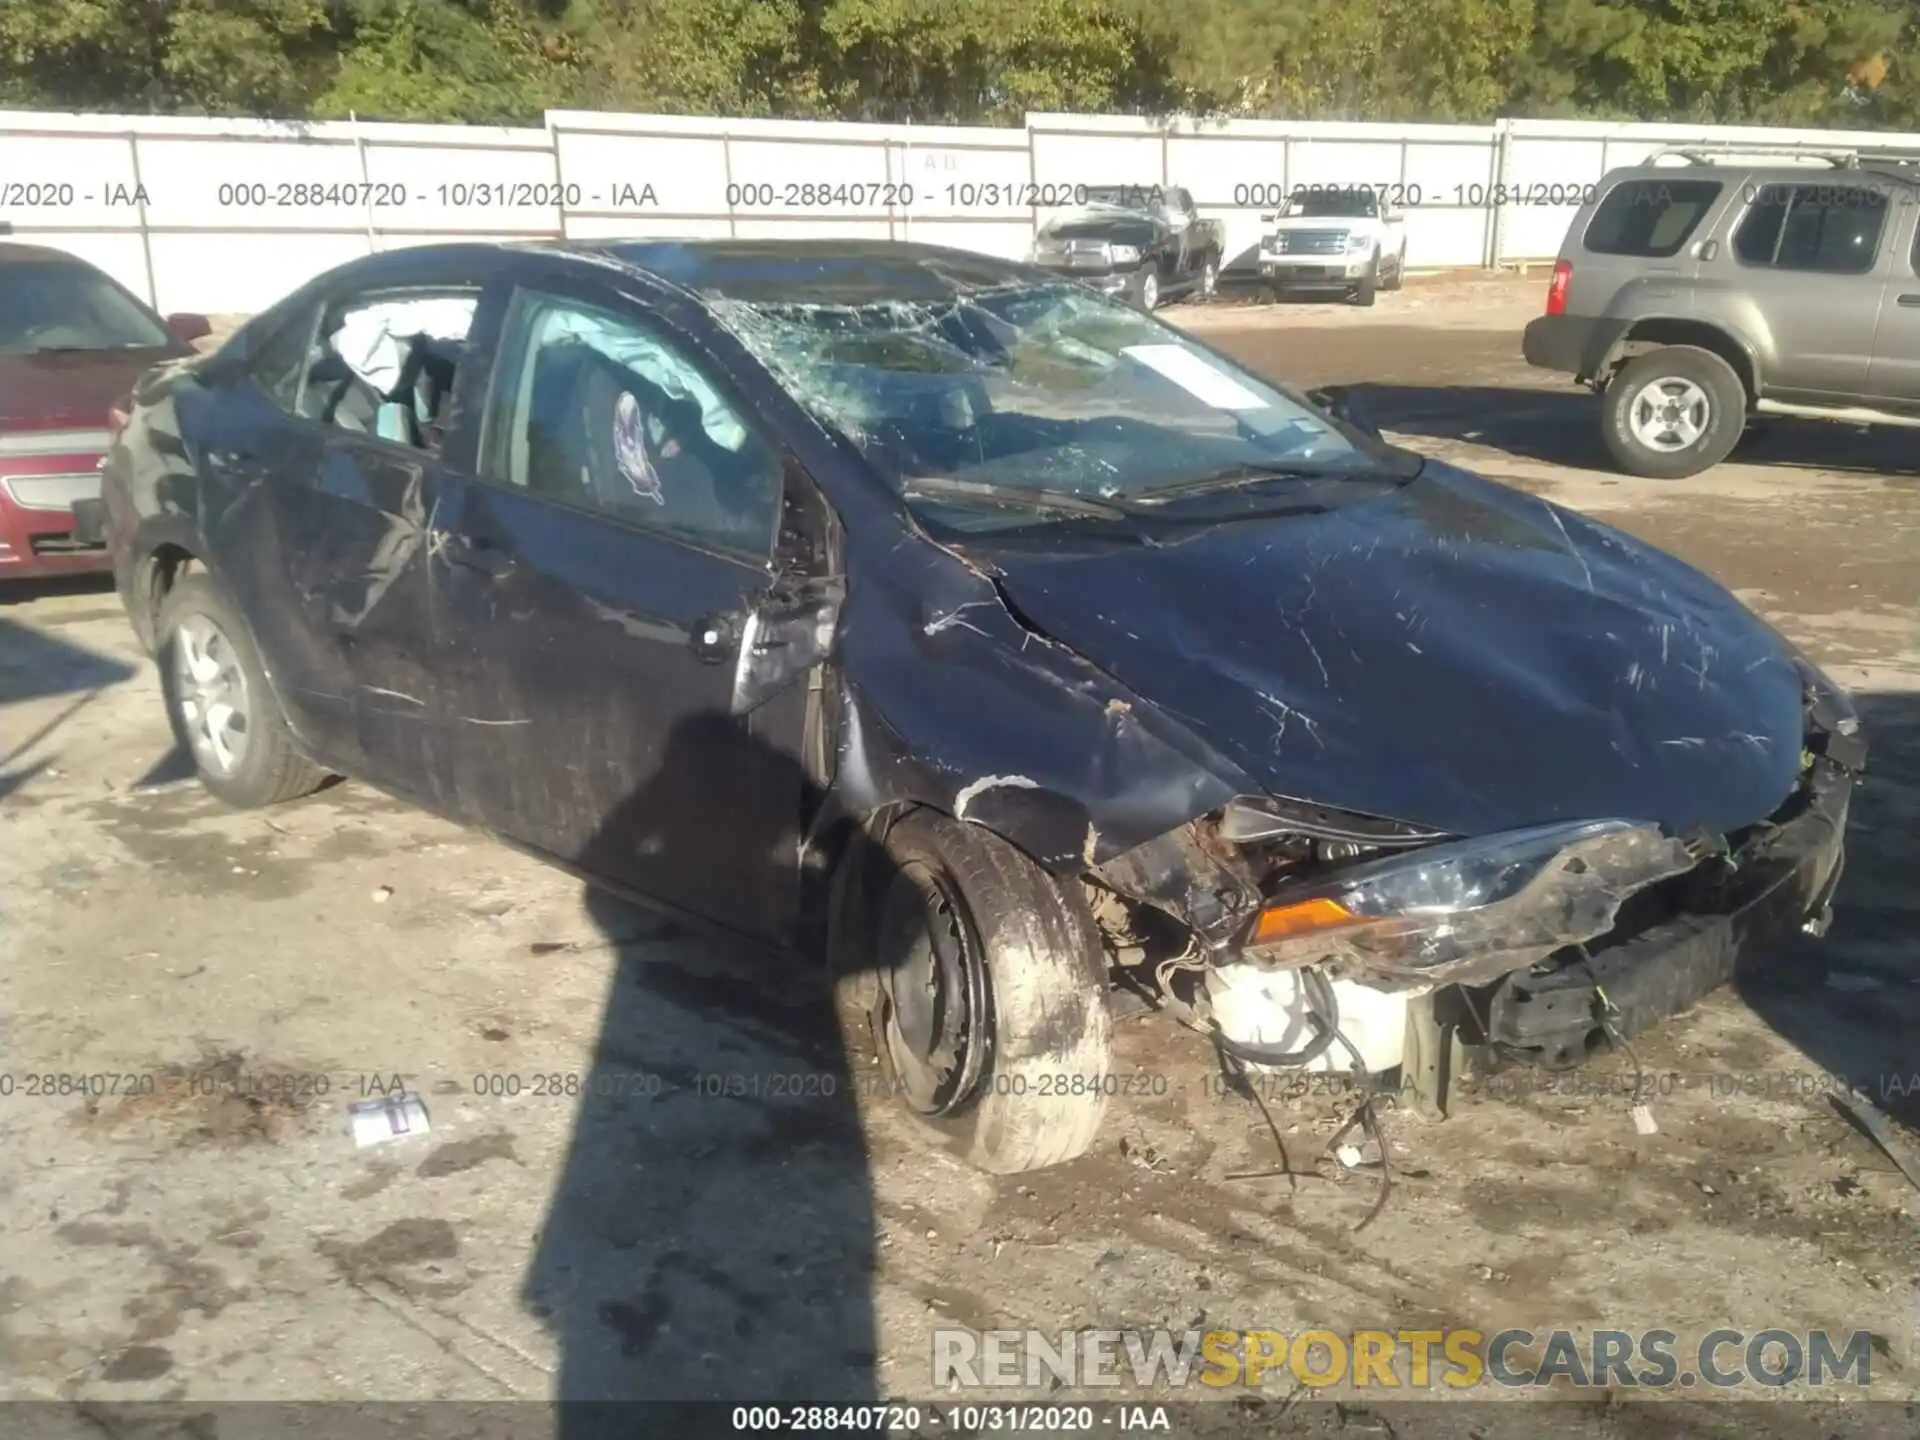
column 1146, row 289
column 1673, row 413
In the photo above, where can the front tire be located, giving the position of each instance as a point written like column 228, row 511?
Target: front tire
column 1673, row 413
column 981, row 984
column 1363, row 293
column 1209, row 278
column 1399, row 276
column 222, row 709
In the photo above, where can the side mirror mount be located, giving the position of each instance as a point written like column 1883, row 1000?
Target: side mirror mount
column 1341, row 403
column 187, row 328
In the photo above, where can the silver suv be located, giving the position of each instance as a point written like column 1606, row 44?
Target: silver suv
column 1742, row 282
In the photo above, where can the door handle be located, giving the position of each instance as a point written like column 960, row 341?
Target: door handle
column 481, row 555
column 1910, row 301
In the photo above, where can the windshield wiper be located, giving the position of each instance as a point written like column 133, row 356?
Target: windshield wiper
column 1058, row 502
column 1232, row 477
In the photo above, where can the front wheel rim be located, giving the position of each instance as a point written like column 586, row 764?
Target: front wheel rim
column 212, row 690
column 934, row 985
column 1149, row 292
column 1669, row 415
column 1209, row 277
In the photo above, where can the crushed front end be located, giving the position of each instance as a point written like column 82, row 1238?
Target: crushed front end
column 1536, row 945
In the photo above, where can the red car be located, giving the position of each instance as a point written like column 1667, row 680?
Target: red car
column 72, row 342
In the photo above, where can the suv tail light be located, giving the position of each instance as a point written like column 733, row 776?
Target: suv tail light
column 1557, row 290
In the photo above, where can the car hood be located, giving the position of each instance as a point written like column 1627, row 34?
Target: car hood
column 1449, row 653
column 73, row 389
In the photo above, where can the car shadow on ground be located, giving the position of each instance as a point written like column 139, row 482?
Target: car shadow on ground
column 1563, row 428
column 712, row 1233
column 38, row 665
column 1850, row 1001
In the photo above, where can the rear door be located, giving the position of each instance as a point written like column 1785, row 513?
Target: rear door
column 630, row 644
column 1893, row 380
column 1813, row 256
column 331, row 555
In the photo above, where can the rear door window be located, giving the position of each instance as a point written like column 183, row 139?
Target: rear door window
column 385, row 363
column 1834, row 229
column 1650, row 218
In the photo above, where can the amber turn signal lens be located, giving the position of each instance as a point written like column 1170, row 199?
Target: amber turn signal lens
column 1283, row 921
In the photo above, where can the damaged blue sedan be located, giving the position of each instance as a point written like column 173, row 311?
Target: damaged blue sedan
column 1016, row 652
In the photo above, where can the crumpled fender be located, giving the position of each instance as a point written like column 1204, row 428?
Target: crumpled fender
column 1015, row 732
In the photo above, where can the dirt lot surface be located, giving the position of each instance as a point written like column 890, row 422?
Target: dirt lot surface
column 205, row 1228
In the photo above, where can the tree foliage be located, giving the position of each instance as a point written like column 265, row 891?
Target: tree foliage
column 1808, row 62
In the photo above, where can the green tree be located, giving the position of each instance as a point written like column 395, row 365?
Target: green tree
column 1806, row 62
column 485, row 62
column 211, row 56
column 1726, row 61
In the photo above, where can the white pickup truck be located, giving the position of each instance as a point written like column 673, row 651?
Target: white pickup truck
column 1333, row 237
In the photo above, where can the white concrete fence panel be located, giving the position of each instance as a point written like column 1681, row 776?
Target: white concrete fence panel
column 223, row 216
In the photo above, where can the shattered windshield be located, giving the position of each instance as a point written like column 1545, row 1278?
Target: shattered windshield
column 1046, row 389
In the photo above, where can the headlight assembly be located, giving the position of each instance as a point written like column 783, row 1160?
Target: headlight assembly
column 1357, row 243
column 1123, row 254
column 1468, row 910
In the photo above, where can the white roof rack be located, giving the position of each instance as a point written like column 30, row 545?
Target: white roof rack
column 1711, row 152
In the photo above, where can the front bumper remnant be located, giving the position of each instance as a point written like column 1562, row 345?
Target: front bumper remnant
column 1675, row 943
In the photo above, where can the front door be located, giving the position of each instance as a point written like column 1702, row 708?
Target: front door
column 1809, row 255
column 1894, row 379
column 627, row 684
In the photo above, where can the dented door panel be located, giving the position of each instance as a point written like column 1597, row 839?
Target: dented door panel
column 591, row 705
column 361, row 586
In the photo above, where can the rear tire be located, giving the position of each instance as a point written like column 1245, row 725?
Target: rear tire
column 1011, row 1078
column 219, row 701
column 1673, row 413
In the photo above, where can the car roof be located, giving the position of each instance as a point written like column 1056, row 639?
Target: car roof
column 824, row 271
column 829, row 272
column 1833, row 175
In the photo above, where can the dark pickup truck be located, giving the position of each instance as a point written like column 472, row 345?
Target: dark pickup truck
column 1146, row 242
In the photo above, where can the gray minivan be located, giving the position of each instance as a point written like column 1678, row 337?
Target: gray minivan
column 1741, row 281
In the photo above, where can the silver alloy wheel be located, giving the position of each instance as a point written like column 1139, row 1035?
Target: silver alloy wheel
column 1209, row 278
column 212, row 690
column 1669, row 414
column 1149, row 290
